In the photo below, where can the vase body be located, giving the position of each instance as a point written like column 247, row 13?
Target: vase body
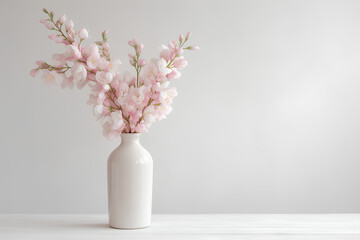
column 130, row 177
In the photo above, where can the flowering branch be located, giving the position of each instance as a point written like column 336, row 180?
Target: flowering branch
column 123, row 102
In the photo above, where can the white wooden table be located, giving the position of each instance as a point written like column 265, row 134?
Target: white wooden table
column 177, row 226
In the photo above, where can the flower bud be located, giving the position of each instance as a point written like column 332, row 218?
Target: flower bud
column 62, row 19
column 141, row 62
column 34, row 72
column 179, row 51
column 193, row 48
column 83, row 34
column 181, row 38
column 131, row 61
column 49, row 25
column 69, row 25
column 188, row 35
column 139, row 48
column 52, row 36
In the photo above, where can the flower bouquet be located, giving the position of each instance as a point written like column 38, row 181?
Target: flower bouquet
column 127, row 104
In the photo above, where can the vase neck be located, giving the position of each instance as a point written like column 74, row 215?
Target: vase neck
column 130, row 138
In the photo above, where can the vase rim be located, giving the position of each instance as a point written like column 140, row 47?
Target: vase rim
column 128, row 134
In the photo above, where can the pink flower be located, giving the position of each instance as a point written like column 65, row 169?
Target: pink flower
column 179, row 51
column 98, row 109
column 62, row 19
column 181, row 37
column 139, row 49
column 141, row 62
column 149, row 115
column 43, row 21
column 91, row 49
column 193, row 48
column 93, row 61
column 139, row 94
column 69, row 25
column 72, row 53
column 83, row 33
column 188, row 35
column 113, row 125
column 114, row 66
column 174, row 74
column 34, row 72
column 132, row 62
column 49, row 25
column 180, row 63
column 52, row 36
column 104, row 77
column 67, row 82
column 79, row 73
column 165, row 53
column 49, row 77
column 133, row 42
column 140, row 128
column 41, row 64
column 58, row 60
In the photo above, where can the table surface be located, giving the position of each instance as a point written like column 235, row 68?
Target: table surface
column 183, row 226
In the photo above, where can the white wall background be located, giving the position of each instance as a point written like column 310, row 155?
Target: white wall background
column 266, row 120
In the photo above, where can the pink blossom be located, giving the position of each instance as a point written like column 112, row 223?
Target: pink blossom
column 174, row 74
column 83, row 33
column 133, row 42
column 59, row 40
column 139, row 94
column 181, row 37
column 132, row 62
column 139, row 49
column 98, row 109
column 140, row 128
column 79, row 73
column 91, row 49
column 193, row 48
column 104, row 77
column 62, row 19
column 113, row 125
column 58, row 60
column 49, row 25
column 49, row 77
column 114, row 66
column 141, row 62
column 52, row 36
column 69, row 25
column 150, row 115
column 72, row 53
column 34, row 72
column 188, row 35
column 42, row 64
column 43, row 21
column 106, row 87
column 179, row 51
column 165, row 53
column 67, row 82
column 93, row 61
column 180, row 63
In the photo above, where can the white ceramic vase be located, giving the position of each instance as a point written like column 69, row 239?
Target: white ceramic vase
column 130, row 177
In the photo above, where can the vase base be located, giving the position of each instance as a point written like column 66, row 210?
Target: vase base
column 123, row 228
